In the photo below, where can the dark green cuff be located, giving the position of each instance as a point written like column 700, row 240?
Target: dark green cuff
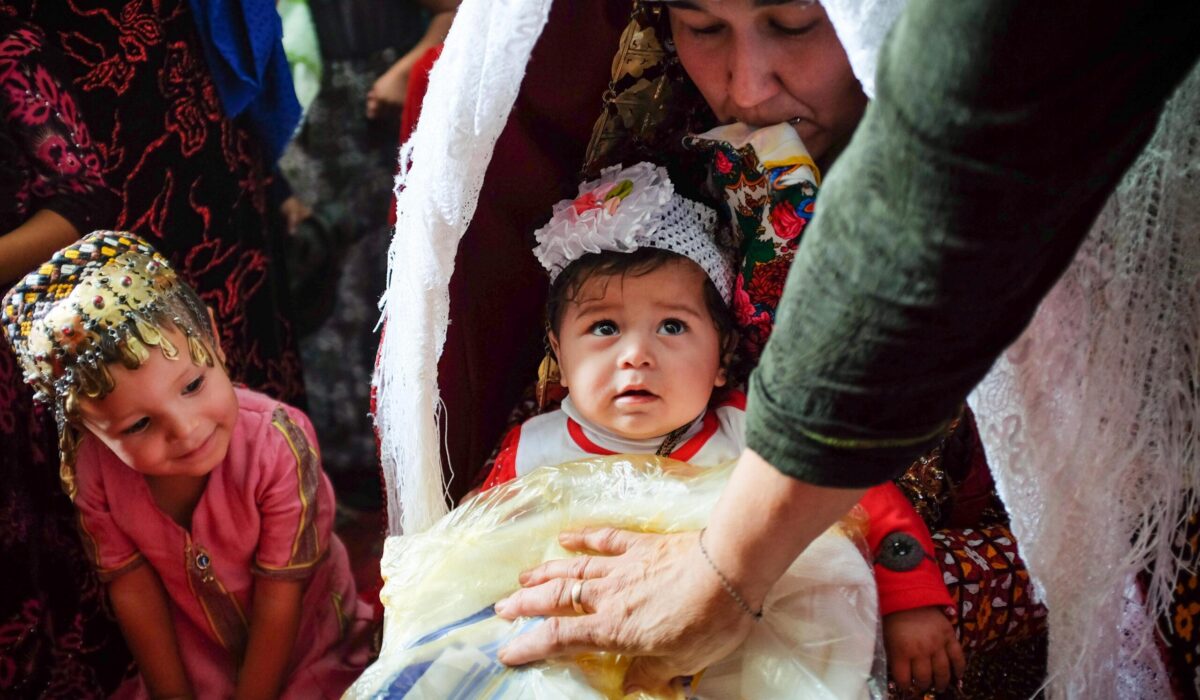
column 823, row 455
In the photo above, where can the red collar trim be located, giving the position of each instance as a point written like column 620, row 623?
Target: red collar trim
column 576, row 432
column 682, row 453
column 687, row 450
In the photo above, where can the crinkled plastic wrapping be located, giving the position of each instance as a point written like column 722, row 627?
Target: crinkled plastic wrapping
column 817, row 638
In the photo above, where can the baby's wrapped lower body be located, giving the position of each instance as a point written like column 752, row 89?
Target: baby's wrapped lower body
column 816, row 639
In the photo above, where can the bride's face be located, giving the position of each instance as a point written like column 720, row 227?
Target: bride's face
column 767, row 61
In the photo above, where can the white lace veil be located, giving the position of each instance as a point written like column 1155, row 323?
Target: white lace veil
column 861, row 25
column 1089, row 420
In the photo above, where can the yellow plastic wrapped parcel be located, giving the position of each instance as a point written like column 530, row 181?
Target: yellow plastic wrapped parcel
column 817, row 638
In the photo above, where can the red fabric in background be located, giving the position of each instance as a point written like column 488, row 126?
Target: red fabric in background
column 418, row 85
column 498, row 290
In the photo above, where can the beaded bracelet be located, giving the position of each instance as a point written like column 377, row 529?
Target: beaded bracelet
column 725, row 582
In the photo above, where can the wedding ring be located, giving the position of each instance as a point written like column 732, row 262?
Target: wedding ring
column 577, row 597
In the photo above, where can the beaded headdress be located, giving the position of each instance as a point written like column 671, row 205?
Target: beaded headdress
column 630, row 208
column 102, row 300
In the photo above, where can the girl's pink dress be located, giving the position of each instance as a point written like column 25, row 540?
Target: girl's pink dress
column 267, row 511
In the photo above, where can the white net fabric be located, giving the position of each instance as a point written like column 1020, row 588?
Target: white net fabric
column 1090, row 418
column 650, row 214
column 687, row 229
column 1142, row 672
column 472, row 89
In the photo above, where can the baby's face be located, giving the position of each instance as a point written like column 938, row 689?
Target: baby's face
column 640, row 353
column 167, row 417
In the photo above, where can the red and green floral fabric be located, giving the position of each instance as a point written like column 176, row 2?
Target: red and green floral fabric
column 769, row 184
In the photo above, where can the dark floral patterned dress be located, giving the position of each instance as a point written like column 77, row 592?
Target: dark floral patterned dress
column 56, row 640
column 190, row 181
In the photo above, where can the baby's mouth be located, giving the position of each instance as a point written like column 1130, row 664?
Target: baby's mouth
column 637, row 395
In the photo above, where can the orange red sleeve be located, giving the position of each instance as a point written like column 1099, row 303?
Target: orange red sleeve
column 921, row 586
column 504, row 469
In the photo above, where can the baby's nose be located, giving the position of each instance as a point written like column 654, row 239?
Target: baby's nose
column 636, row 352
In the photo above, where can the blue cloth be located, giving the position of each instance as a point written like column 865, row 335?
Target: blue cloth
column 243, row 45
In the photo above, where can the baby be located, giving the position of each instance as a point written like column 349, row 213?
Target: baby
column 639, row 324
column 202, row 505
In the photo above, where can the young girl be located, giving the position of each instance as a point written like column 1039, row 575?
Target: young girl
column 202, row 505
column 639, row 323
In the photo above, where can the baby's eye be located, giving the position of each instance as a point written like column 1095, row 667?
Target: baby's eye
column 672, row 326
column 194, row 385
column 137, row 427
column 604, row 328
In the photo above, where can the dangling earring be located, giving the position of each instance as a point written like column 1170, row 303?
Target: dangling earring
column 548, row 375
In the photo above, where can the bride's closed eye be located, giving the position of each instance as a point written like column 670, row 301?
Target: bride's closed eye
column 704, row 29
column 787, row 30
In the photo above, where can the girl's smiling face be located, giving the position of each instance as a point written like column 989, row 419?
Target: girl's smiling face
column 763, row 62
column 640, row 352
column 167, row 417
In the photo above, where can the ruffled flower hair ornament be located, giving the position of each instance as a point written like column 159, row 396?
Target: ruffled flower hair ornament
column 630, row 208
column 103, row 300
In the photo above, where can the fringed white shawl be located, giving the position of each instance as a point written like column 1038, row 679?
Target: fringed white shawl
column 472, row 89
column 1089, row 420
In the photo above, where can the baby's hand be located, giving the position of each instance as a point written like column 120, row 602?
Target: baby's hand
column 922, row 649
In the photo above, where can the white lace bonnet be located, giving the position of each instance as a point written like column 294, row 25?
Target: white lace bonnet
column 630, row 208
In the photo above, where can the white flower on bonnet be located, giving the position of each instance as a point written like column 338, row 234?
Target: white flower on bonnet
column 627, row 209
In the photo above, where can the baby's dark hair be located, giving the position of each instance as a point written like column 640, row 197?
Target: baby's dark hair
column 567, row 287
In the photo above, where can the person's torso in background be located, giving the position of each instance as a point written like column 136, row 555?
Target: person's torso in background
column 350, row 29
